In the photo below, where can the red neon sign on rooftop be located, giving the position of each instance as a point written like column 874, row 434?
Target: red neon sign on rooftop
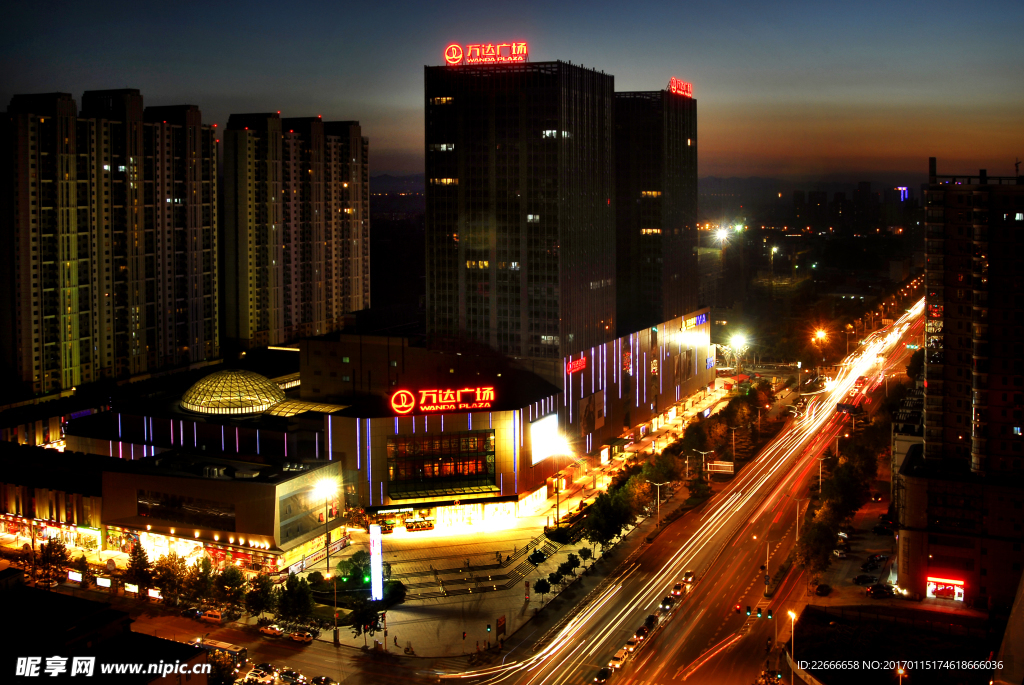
column 485, row 53
column 680, row 87
column 436, row 400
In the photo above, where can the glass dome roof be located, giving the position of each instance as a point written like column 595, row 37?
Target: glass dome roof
column 232, row 392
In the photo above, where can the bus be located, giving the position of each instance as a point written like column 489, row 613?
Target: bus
column 239, row 655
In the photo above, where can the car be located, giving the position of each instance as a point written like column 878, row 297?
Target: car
column 323, row 680
column 290, row 675
column 602, row 676
column 882, row 530
column 677, row 589
column 844, row 535
column 878, row 557
column 865, row 579
column 267, row 668
column 838, row 553
column 631, row 644
column 301, row 636
column 688, row 577
column 867, row 568
column 190, row 612
column 652, row 620
column 880, row 591
column 667, row 603
column 823, row 590
column 617, row 659
column 258, row 676
column 211, row 616
column 876, row 497
column 641, row 633
column 273, row 631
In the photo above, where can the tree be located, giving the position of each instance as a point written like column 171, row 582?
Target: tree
column 82, row 566
column 573, row 561
column 542, row 586
column 260, row 597
column 295, row 600
column 555, row 578
column 565, row 568
column 814, row 551
column 365, row 618
column 231, row 585
column 222, row 666
column 169, row 573
column 536, row 557
column 54, row 558
column 698, row 485
column 199, row 582
column 586, row 554
column 139, row 571
column 638, row 495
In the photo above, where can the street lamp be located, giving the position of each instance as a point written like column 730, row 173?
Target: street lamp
column 901, row 672
column 792, row 646
column 658, row 485
column 845, row 435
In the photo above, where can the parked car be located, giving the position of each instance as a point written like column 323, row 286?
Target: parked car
column 869, row 566
column 876, row 497
column 211, row 616
column 273, row 631
column 602, row 676
column 323, row 680
column 667, row 603
column 268, row 668
column 878, row 557
column 688, row 577
column 652, row 620
column 844, row 535
column 880, row 591
column 865, row 579
column 260, row 677
column 823, row 590
column 677, row 589
column 617, row 659
column 631, row 644
column 191, row 612
column 641, row 633
column 838, row 553
column 302, row 636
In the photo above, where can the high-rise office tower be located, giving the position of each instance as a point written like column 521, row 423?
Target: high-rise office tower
column 520, row 233
column 656, row 205
column 110, row 230
column 960, row 495
column 296, row 227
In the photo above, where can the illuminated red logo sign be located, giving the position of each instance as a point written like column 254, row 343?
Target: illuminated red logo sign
column 680, row 87
column 485, row 53
column 463, row 399
column 403, row 402
column 453, row 54
column 575, row 365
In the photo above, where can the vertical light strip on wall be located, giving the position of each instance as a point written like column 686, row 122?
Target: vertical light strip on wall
column 257, row 441
column 359, row 446
column 369, row 463
column 330, row 439
column 515, row 451
column 222, row 443
column 238, row 442
column 195, row 434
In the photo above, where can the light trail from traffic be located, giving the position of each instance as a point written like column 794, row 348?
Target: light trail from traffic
column 571, row 648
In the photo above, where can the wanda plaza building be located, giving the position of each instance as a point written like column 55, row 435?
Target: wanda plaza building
column 412, row 437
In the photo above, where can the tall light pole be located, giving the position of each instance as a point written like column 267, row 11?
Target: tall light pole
column 772, row 288
column 820, row 459
column 328, row 488
column 767, row 548
column 658, row 485
column 792, row 646
column 845, row 435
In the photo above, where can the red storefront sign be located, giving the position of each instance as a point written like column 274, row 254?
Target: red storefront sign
column 574, row 365
column 680, row 87
column 439, row 400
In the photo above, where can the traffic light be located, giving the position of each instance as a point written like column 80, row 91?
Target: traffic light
column 737, row 608
column 769, row 614
column 488, row 627
column 463, row 634
column 748, row 611
column 759, row 612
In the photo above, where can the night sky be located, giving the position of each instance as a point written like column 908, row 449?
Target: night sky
column 789, row 90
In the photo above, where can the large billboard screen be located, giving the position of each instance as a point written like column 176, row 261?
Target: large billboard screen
column 544, row 438
column 376, row 564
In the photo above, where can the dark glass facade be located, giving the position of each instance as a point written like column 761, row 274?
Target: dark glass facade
column 656, row 207
column 520, row 224
column 190, row 511
column 447, row 463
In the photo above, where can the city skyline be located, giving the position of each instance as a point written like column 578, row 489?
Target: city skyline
column 796, row 93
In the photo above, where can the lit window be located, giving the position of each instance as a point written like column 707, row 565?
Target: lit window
column 440, row 101
column 533, row 218
column 1016, row 430
column 514, row 266
column 442, row 147
column 484, row 264
column 1020, row 216
column 549, row 134
column 106, row 167
column 650, row 231
column 470, row 265
column 445, row 181
column 650, row 193
column 344, row 360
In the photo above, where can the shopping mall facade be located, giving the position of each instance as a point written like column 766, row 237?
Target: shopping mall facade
column 235, row 468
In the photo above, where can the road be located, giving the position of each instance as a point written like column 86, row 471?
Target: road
column 704, row 639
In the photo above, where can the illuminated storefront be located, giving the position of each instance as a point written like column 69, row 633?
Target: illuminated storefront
column 946, row 588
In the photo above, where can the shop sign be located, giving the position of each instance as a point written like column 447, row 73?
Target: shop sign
column 680, row 87
column 75, row 576
column 442, row 400
column 485, row 53
column 131, row 587
column 574, row 365
column 695, row 321
column 404, row 510
column 103, row 582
